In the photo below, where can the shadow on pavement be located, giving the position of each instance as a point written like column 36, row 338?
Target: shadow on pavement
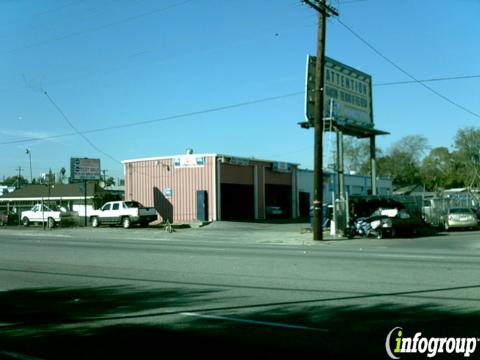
column 33, row 324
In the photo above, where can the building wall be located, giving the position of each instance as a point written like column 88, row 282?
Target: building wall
column 147, row 181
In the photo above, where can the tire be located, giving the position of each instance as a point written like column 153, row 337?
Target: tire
column 50, row 223
column 126, row 223
column 350, row 233
column 379, row 234
column 94, row 221
column 25, row 221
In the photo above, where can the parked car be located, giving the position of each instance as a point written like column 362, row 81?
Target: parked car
column 3, row 218
column 461, row 218
column 393, row 221
column 50, row 215
column 8, row 218
column 274, row 210
column 125, row 213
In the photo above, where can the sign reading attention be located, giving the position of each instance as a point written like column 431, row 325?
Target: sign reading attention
column 84, row 169
column 347, row 96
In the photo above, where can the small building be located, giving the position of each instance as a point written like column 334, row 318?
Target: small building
column 71, row 196
column 209, row 187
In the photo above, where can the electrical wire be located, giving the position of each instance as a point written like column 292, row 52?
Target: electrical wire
column 97, row 28
column 76, row 130
column 145, row 122
column 391, row 62
column 427, row 80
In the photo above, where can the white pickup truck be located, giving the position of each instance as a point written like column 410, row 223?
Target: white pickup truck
column 125, row 213
column 51, row 215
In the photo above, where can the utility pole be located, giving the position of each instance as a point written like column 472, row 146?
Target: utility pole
column 29, row 153
column 323, row 11
column 19, row 169
column 104, row 175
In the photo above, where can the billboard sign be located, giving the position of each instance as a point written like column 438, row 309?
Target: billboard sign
column 85, row 169
column 347, row 89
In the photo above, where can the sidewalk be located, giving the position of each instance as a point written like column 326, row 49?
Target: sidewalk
column 263, row 233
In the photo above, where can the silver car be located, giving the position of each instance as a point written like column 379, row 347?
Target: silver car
column 461, row 218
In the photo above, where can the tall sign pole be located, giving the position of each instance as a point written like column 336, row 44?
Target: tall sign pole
column 323, row 11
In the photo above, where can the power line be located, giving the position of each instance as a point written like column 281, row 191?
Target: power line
column 391, row 62
column 76, row 130
column 427, row 80
column 220, row 108
column 145, row 122
column 98, row 28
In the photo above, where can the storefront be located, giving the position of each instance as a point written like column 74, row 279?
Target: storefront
column 209, row 187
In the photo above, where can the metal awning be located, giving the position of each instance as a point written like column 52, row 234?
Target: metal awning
column 352, row 129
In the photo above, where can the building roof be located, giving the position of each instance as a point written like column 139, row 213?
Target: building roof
column 409, row 190
column 203, row 155
column 54, row 192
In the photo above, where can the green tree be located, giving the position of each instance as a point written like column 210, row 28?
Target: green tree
column 356, row 154
column 467, row 156
column 402, row 161
column 110, row 181
column 16, row 180
column 438, row 170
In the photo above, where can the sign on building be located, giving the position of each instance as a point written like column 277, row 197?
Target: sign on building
column 85, row 169
column 189, row 161
column 282, row 167
column 347, row 89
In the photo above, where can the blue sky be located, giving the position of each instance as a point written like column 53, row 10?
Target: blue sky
column 132, row 67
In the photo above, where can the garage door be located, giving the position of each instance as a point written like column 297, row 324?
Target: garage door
column 237, row 202
column 279, row 196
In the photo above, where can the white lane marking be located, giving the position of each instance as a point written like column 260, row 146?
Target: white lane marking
column 254, row 322
column 405, row 256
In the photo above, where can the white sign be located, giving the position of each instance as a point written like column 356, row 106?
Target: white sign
column 189, row 161
column 283, row 167
column 348, row 89
column 85, row 169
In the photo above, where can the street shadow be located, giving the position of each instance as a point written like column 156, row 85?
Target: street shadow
column 56, row 323
column 163, row 206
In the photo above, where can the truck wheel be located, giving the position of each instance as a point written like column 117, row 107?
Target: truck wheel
column 126, row 222
column 50, row 223
column 94, row 221
column 25, row 221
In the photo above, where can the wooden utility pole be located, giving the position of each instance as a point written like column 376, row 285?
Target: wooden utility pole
column 19, row 169
column 323, row 11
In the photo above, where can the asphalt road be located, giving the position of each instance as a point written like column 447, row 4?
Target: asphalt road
column 243, row 288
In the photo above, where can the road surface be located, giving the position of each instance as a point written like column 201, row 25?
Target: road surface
column 111, row 293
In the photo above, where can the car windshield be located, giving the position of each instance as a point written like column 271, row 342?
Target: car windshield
column 460, row 211
column 133, row 204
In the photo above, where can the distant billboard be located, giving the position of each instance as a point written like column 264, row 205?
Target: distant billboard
column 347, row 89
column 85, row 169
